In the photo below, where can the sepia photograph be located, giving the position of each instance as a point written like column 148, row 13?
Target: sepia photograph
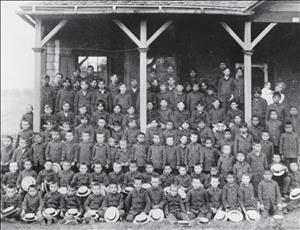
column 158, row 114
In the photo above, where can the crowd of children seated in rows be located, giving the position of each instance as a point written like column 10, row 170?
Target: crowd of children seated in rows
column 196, row 158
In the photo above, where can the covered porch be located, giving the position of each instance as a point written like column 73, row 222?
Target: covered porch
column 194, row 36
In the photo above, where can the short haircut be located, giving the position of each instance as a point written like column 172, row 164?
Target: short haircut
column 276, row 94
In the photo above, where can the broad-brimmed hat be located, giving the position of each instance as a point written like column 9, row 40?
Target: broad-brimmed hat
column 45, row 186
column 94, row 214
column 235, row 216
column 62, row 190
column 252, row 215
column 146, row 186
column 50, row 212
column 220, row 216
column 127, row 189
column 277, row 169
column 203, row 220
column 29, row 217
column 295, row 194
column 9, row 210
column 156, row 215
column 141, row 219
column 56, row 167
column 73, row 212
column 83, row 191
column 26, row 182
column 111, row 215
column 181, row 193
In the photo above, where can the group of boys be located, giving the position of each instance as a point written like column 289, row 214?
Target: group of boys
column 197, row 157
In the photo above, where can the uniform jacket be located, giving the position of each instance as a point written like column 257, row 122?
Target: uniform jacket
column 275, row 128
column 183, row 180
column 70, row 151
column 23, row 174
column 198, row 116
column 259, row 107
column 7, row 154
column 53, row 200
column 169, row 156
column 295, row 179
column 101, row 153
column 21, row 154
column 216, row 115
column 62, row 117
column 104, row 96
column 118, row 177
column 155, row 155
column 38, row 153
column 243, row 143
column 258, row 165
column 225, row 88
column 139, row 153
column 241, row 168
column 45, row 175
column 123, row 155
column 99, row 178
column 65, row 177
column 214, row 197
column 164, row 115
column 138, row 201
column 84, row 153
column 93, row 202
column 15, row 201
column 54, row 151
column 124, row 100
column 225, row 164
column 32, row 204
column 181, row 151
column 209, row 157
column 269, row 193
column 10, row 178
column 229, row 196
column 166, row 180
column 71, row 201
column 82, row 179
column 194, row 154
column 62, row 96
column 289, row 145
column 174, row 204
column 196, row 200
column 113, row 200
column 246, row 197
column 157, row 197
column 83, row 98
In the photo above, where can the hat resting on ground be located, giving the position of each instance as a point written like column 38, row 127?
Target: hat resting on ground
column 73, row 212
column 220, row 216
column 8, row 211
column 141, row 219
column 29, row 217
column 50, row 212
column 252, row 215
column 235, row 216
column 56, row 167
column 111, row 215
column 62, row 190
column 156, row 215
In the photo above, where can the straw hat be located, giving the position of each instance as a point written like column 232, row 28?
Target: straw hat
column 278, row 169
column 45, row 186
column 111, row 215
column 8, row 211
column 146, row 186
column 29, row 217
column 235, row 216
column 83, row 191
column 73, row 212
column 94, row 214
column 203, row 220
column 220, row 216
column 56, row 167
column 295, row 194
column 141, row 219
column 62, row 190
column 26, row 182
column 252, row 215
column 127, row 189
column 50, row 212
column 156, row 215
column 181, row 193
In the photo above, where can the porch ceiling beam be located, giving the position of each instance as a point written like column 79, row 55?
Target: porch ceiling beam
column 128, row 32
column 158, row 32
column 262, row 34
column 233, row 34
column 53, row 32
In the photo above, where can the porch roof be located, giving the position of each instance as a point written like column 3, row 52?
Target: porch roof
column 138, row 7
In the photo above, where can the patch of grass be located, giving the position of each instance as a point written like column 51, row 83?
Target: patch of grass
column 290, row 222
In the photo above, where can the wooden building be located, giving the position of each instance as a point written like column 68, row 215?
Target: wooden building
column 262, row 36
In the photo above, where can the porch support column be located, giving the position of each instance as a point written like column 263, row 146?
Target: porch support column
column 143, row 75
column 247, row 71
column 37, row 78
column 143, row 45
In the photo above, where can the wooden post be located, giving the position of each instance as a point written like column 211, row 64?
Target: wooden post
column 38, row 70
column 247, row 71
column 143, row 75
column 143, row 45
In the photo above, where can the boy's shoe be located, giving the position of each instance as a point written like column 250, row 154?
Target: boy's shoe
column 285, row 211
column 11, row 220
column 101, row 220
